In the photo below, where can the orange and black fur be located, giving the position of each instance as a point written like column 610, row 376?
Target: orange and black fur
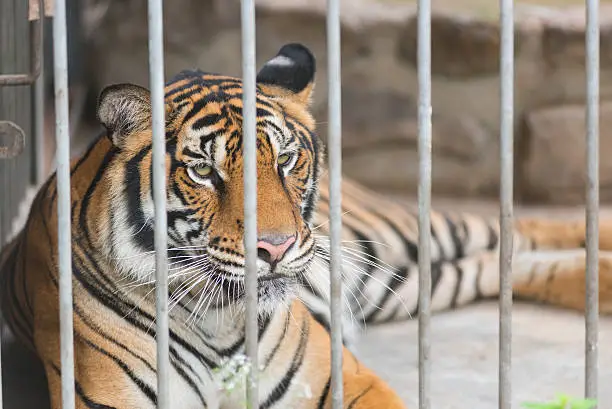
column 113, row 253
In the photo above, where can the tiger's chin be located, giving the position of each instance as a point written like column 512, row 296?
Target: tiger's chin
column 274, row 292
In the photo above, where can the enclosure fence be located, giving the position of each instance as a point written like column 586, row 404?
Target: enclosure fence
column 156, row 64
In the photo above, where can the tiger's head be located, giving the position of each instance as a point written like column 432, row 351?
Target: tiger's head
column 204, row 180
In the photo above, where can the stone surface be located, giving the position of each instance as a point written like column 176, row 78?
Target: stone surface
column 554, row 156
column 379, row 80
column 381, row 127
column 563, row 40
column 462, row 46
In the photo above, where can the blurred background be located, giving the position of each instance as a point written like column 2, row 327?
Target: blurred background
column 108, row 44
column 379, row 84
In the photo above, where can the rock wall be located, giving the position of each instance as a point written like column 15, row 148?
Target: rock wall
column 379, row 85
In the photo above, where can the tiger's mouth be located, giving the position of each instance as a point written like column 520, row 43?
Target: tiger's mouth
column 273, row 289
column 223, row 281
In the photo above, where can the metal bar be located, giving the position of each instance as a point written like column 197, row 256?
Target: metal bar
column 506, row 200
column 39, row 125
column 158, row 164
column 62, row 135
column 334, row 145
column 592, row 200
column 424, row 199
column 36, row 42
column 249, row 153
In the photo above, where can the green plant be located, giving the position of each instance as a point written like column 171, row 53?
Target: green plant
column 563, row 402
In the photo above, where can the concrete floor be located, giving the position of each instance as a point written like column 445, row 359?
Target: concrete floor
column 547, row 356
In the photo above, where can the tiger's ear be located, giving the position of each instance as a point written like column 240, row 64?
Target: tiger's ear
column 124, row 109
column 290, row 74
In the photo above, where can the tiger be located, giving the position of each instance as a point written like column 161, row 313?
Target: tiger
column 113, row 253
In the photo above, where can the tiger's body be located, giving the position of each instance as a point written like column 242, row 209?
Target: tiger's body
column 113, row 254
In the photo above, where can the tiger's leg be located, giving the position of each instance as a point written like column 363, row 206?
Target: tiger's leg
column 362, row 388
column 559, row 279
column 557, row 234
column 99, row 381
column 471, row 234
column 107, row 374
column 555, row 277
column 551, row 277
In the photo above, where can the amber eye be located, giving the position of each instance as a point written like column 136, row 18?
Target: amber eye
column 284, row 159
column 200, row 173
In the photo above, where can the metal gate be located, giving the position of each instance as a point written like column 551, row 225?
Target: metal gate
column 15, row 108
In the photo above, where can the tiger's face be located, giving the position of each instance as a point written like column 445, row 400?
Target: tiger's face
column 205, row 181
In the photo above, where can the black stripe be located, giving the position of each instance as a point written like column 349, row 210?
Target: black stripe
column 452, row 229
column 436, row 239
column 457, row 289
column 81, row 394
column 479, row 294
column 298, row 358
column 436, row 275
column 122, row 307
column 411, row 248
column 144, row 388
column 369, row 249
column 204, row 122
column 361, row 395
column 493, row 239
column 132, row 184
column 84, row 215
column 324, row 394
column 279, row 342
column 179, row 364
column 393, row 285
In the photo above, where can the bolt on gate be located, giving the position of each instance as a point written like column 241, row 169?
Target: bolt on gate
column 14, row 136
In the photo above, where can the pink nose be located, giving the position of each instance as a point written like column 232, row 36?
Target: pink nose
column 272, row 247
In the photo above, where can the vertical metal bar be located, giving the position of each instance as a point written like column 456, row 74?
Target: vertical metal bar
column 62, row 135
column 424, row 193
column 39, row 124
column 4, row 165
column 249, row 153
column 158, row 164
column 335, row 197
column 592, row 200
column 506, row 200
column 39, row 112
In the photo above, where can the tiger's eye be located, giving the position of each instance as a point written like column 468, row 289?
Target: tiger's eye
column 283, row 159
column 203, row 171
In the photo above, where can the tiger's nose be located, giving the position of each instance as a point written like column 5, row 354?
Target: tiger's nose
column 272, row 247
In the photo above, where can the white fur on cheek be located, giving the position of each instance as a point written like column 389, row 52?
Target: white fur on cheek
column 131, row 260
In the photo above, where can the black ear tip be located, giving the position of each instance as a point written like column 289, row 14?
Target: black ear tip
column 292, row 68
column 299, row 54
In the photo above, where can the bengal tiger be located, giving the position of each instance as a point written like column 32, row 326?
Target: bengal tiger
column 113, row 256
